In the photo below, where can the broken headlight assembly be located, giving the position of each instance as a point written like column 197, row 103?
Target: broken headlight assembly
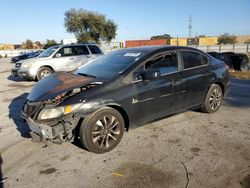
column 51, row 113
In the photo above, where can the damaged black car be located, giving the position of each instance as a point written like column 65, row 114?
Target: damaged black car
column 121, row 90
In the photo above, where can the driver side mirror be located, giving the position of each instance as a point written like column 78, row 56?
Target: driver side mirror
column 58, row 55
column 151, row 74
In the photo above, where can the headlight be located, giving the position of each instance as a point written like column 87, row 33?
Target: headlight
column 50, row 113
column 27, row 65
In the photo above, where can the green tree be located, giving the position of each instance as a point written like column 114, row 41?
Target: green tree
column 49, row 43
column 28, row 44
column 39, row 45
column 247, row 41
column 227, row 39
column 89, row 26
column 164, row 36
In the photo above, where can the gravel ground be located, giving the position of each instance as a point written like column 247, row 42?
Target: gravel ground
column 191, row 149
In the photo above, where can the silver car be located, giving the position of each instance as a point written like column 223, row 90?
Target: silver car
column 56, row 58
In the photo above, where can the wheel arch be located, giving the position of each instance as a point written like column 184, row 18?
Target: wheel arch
column 123, row 113
column 48, row 66
column 114, row 106
column 221, row 85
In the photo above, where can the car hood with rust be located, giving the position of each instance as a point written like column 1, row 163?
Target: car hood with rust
column 58, row 83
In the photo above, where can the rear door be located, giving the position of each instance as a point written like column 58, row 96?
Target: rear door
column 196, row 75
column 81, row 56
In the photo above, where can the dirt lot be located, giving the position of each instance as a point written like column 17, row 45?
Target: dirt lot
column 191, row 149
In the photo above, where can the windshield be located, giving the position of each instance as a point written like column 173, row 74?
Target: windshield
column 48, row 52
column 110, row 65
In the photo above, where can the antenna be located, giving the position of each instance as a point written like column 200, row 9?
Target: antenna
column 190, row 26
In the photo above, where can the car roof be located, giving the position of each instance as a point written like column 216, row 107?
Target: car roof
column 149, row 49
column 78, row 44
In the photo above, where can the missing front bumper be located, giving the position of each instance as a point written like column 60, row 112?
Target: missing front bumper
column 45, row 131
column 57, row 133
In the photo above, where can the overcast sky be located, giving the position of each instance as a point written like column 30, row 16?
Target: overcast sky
column 136, row 19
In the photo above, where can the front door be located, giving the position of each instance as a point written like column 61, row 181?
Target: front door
column 64, row 59
column 156, row 98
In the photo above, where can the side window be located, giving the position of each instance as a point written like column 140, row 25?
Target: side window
column 137, row 75
column 94, row 49
column 192, row 59
column 66, row 51
column 204, row 59
column 166, row 63
column 81, row 50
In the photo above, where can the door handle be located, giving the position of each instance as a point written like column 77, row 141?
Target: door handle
column 71, row 58
column 88, row 56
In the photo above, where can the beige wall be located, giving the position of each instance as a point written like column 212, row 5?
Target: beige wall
column 7, row 47
column 242, row 38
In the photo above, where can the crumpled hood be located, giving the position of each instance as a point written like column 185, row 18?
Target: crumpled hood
column 58, row 83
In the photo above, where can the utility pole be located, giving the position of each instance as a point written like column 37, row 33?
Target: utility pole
column 190, row 26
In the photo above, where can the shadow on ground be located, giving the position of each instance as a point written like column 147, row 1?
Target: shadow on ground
column 15, row 108
column 239, row 95
column 17, row 79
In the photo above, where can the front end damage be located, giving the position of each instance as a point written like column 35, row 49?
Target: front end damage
column 57, row 129
column 50, row 120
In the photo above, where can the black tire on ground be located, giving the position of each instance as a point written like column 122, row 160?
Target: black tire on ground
column 213, row 99
column 102, row 130
column 43, row 72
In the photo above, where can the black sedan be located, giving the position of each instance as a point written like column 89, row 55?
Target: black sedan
column 25, row 56
column 121, row 90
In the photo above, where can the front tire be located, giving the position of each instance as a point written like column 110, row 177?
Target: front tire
column 213, row 99
column 44, row 72
column 102, row 130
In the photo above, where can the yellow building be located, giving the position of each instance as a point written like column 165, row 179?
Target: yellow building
column 208, row 41
column 203, row 41
column 178, row 41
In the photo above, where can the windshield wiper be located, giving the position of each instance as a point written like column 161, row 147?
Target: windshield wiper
column 87, row 75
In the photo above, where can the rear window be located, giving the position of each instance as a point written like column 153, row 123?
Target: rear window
column 94, row 49
column 81, row 50
column 166, row 63
column 193, row 59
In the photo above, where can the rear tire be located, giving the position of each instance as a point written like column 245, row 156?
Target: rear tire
column 44, row 72
column 213, row 99
column 102, row 130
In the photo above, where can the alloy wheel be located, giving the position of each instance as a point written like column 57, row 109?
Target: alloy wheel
column 215, row 98
column 106, row 131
